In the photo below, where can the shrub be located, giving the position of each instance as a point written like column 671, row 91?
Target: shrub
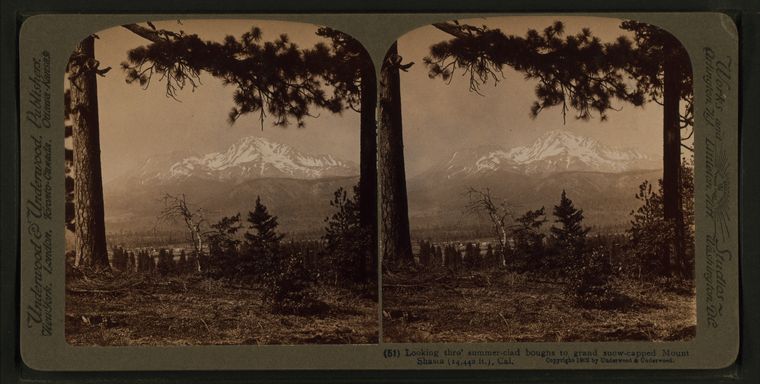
column 591, row 282
column 290, row 290
column 652, row 238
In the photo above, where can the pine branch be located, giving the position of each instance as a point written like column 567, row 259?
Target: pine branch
column 148, row 34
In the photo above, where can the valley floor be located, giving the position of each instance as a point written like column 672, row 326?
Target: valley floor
column 496, row 306
column 188, row 310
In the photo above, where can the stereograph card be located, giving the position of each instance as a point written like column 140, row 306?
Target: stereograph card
column 379, row 191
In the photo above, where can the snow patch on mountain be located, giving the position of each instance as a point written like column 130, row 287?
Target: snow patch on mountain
column 555, row 151
column 249, row 158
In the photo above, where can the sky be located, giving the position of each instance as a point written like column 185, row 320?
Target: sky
column 137, row 123
column 438, row 118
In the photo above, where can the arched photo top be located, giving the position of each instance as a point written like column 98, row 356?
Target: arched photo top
column 199, row 85
column 228, row 151
column 537, row 145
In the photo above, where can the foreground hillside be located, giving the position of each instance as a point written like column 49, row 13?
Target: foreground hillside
column 187, row 310
column 513, row 307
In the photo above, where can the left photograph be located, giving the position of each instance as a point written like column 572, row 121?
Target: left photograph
column 220, row 186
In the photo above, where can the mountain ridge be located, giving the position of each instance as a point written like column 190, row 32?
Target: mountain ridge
column 602, row 180
column 554, row 151
column 251, row 157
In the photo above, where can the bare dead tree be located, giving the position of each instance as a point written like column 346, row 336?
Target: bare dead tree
column 500, row 213
column 177, row 208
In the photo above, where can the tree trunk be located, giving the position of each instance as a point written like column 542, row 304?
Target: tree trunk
column 199, row 250
column 88, row 181
column 503, row 242
column 368, row 168
column 396, row 242
column 671, row 194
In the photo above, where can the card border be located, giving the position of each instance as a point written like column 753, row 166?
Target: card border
column 749, row 24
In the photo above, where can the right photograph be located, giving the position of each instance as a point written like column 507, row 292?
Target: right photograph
column 536, row 177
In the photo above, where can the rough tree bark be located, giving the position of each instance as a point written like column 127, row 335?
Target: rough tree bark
column 395, row 238
column 368, row 167
column 89, row 223
column 672, row 200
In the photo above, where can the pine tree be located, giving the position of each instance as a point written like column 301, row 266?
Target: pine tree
column 89, row 221
column 686, row 262
column 223, row 247
column 570, row 233
column 661, row 67
column 287, row 284
column 529, row 240
column 347, row 241
column 652, row 236
column 395, row 234
column 262, row 243
column 351, row 73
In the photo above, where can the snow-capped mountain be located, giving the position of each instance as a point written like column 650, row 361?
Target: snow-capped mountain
column 599, row 179
column 297, row 186
column 249, row 158
column 555, row 151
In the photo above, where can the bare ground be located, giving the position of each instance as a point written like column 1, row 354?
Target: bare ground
column 189, row 310
column 512, row 307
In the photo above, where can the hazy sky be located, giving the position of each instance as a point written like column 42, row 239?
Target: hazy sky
column 440, row 118
column 137, row 123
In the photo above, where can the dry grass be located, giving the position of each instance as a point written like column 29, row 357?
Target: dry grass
column 188, row 310
column 512, row 307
